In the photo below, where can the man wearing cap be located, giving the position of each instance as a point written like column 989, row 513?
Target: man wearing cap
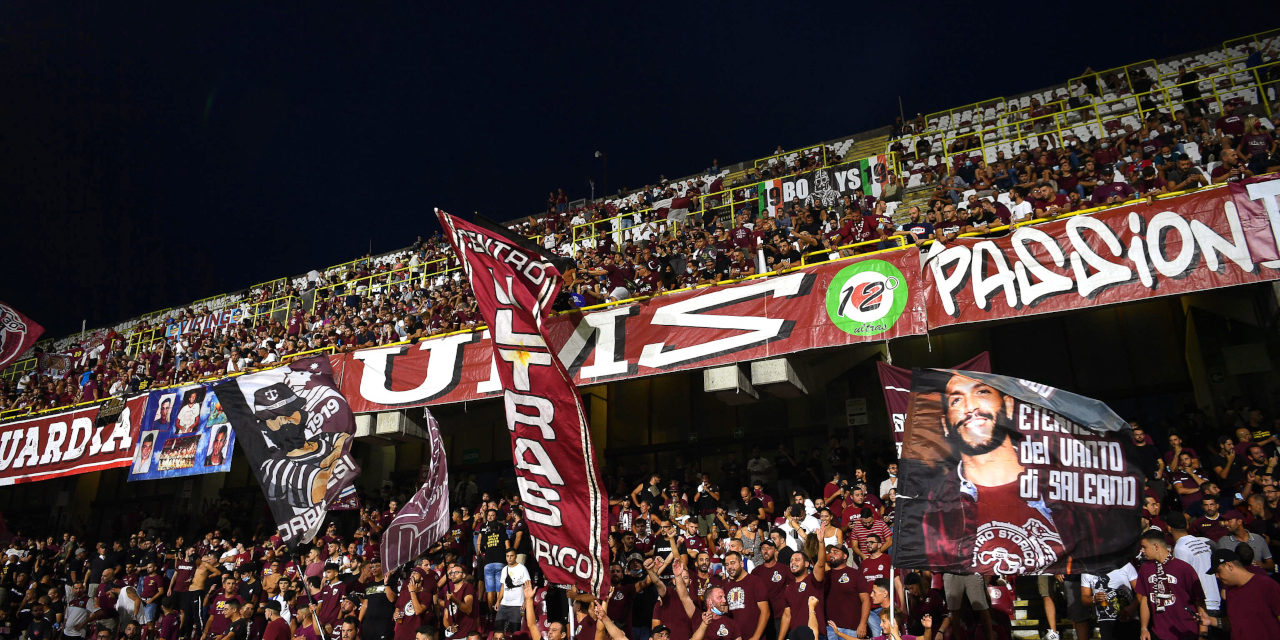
column 1168, row 591
column 1253, row 602
column 848, row 595
column 299, row 466
column 772, row 576
column 1238, row 534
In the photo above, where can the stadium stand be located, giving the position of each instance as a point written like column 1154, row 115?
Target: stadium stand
column 1146, row 129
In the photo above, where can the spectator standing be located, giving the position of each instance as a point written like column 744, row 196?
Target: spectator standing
column 1169, row 593
column 1253, row 601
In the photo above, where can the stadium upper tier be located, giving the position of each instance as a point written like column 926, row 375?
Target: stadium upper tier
column 1090, row 141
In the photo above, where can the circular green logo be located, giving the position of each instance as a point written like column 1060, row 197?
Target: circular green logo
column 866, row 298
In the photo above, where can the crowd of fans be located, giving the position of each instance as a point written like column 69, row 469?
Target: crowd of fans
column 773, row 545
column 632, row 247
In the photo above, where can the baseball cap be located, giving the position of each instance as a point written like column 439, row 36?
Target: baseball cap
column 1221, row 556
column 1232, row 515
column 275, row 400
column 768, row 541
column 662, row 628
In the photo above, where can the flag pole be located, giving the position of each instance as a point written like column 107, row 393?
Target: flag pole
column 892, row 622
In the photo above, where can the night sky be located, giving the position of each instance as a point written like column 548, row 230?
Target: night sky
column 154, row 156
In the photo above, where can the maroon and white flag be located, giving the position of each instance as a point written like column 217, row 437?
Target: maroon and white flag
column 896, row 382
column 425, row 518
column 564, row 499
column 17, row 334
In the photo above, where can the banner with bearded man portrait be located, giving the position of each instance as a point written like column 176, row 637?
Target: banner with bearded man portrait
column 1005, row 476
column 296, row 430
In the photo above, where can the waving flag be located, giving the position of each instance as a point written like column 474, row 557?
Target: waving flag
column 425, row 518
column 17, row 334
column 564, row 500
column 296, row 431
column 1001, row 475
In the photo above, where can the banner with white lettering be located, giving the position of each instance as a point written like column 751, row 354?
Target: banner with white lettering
column 211, row 322
column 67, row 444
column 296, row 430
column 896, row 383
column 425, row 518
column 1199, row 241
column 1004, row 476
column 564, row 499
column 183, row 432
column 825, row 186
column 828, row 305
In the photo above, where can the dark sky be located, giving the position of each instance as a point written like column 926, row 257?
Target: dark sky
column 154, row 156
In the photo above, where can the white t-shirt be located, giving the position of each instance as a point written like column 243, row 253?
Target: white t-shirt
column 1198, row 552
column 513, row 596
column 1021, row 211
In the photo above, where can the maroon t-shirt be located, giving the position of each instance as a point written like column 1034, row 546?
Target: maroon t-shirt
column 465, row 622
column 222, row 605
column 796, row 596
column 743, row 598
column 670, row 612
column 407, row 627
column 775, row 580
column 873, row 569
column 278, row 629
column 1232, row 125
column 620, row 605
column 1172, row 597
column 724, row 628
column 151, row 584
column 169, row 625
column 330, row 598
column 1252, row 609
column 182, row 576
column 844, row 588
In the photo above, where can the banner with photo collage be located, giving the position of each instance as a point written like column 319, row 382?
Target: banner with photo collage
column 182, row 432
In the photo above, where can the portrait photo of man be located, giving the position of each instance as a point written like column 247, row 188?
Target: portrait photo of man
column 217, row 454
column 145, row 453
column 164, row 415
column 189, row 414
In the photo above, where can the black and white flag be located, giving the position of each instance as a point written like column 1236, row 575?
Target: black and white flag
column 296, row 430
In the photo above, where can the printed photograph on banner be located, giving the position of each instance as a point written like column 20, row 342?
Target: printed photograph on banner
column 997, row 484
column 216, row 456
column 162, row 413
column 296, row 430
column 145, row 452
column 189, row 435
column 178, row 453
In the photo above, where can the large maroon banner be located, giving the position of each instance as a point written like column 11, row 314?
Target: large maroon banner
column 17, row 334
column 896, row 383
column 564, row 499
column 1217, row 238
column 862, row 300
column 67, row 444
